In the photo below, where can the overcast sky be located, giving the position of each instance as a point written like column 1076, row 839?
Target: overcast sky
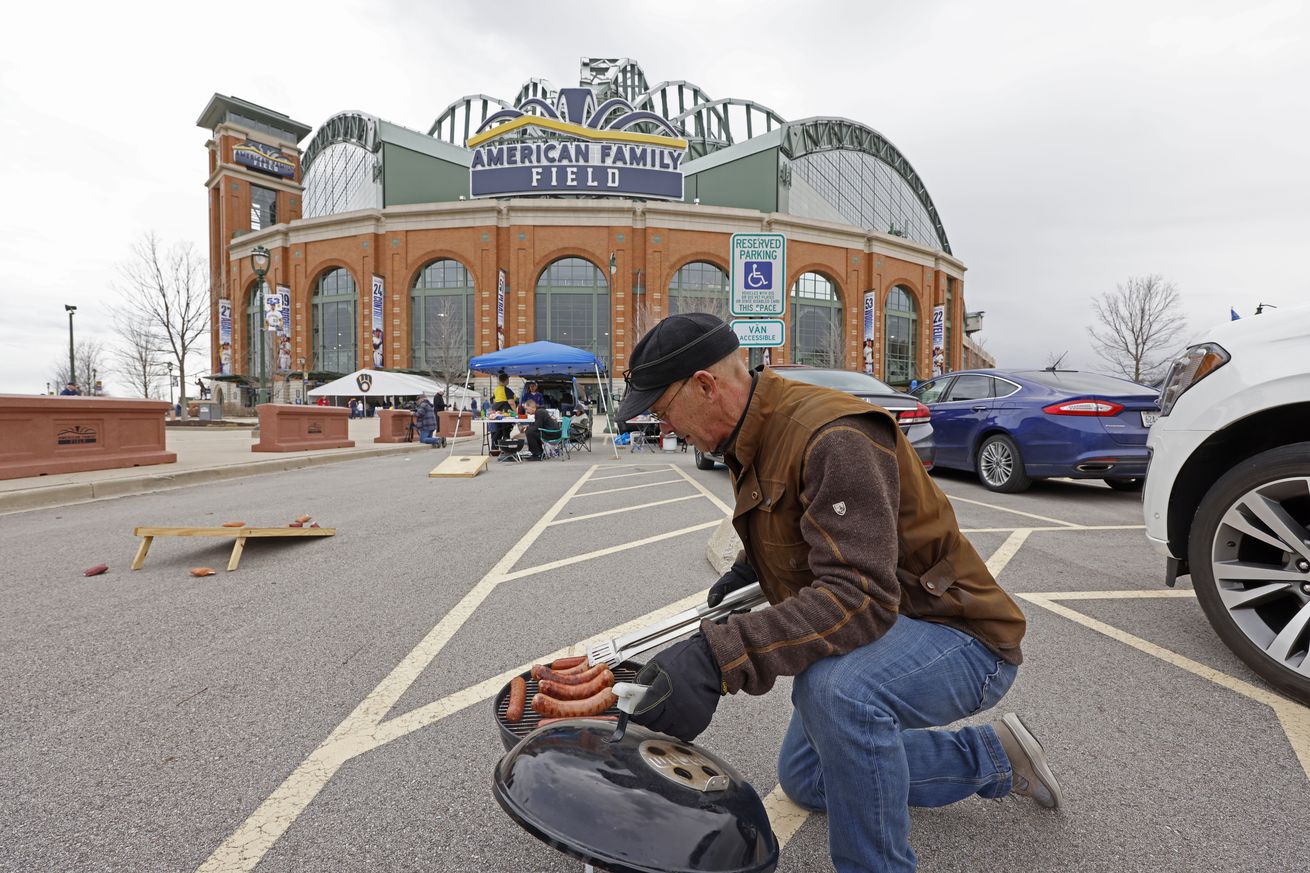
column 1067, row 145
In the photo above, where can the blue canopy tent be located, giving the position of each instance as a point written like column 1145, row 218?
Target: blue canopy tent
column 544, row 359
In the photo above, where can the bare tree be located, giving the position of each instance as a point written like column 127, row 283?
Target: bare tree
column 1139, row 323
column 89, row 363
column 445, row 343
column 169, row 290
column 138, row 357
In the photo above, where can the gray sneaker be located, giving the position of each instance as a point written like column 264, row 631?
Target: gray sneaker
column 1031, row 775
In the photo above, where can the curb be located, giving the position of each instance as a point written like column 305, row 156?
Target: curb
column 64, row 495
column 723, row 546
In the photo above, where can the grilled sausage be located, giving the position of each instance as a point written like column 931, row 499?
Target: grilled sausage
column 561, row 665
column 540, row 672
column 576, row 692
column 546, row 721
column 550, row 707
column 518, row 696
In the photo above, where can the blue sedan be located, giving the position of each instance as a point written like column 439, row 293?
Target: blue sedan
column 1013, row 426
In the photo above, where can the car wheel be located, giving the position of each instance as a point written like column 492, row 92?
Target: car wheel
column 1250, row 560
column 1000, row 466
column 1126, row 484
column 702, row 462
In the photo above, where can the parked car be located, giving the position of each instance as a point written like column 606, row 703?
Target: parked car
column 1014, row 426
column 1228, row 497
column 912, row 415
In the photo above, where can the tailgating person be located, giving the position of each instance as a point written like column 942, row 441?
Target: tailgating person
column 531, row 393
column 71, row 390
column 425, row 419
column 502, row 400
column 883, row 612
column 541, row 420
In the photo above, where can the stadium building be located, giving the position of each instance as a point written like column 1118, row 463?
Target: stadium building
column 580, row 215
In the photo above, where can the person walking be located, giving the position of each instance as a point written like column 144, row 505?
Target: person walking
column 879, row 607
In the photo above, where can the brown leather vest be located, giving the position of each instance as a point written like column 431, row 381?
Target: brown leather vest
column 942, row 577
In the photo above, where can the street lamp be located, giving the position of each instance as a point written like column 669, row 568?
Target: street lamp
column 72, row 372
column 259, row 263
column 170, row 386
column 304, row 383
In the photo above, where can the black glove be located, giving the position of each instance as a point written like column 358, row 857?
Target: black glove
column 685, row 687
column 739, row 575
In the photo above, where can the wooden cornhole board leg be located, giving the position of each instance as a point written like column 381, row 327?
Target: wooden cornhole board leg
column 237, row 548
column 141, row 553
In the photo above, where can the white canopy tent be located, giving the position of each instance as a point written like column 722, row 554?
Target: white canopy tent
column 382, row 383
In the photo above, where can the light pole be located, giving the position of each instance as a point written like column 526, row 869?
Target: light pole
column 72, row 372
column 259, row 263
column 170, row 386
column 304, row 383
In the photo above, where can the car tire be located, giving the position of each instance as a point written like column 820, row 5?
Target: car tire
column 1125, row 484
column 1275, row 483
column 702, row 461
column 1000, row 466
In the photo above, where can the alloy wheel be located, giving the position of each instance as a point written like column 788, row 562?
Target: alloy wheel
column 996, row 463
column 1260, row 558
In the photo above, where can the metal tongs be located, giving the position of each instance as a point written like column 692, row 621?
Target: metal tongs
column 616, row 651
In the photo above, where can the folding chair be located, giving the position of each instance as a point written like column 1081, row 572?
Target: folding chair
column 580, row 436
column 558, row 445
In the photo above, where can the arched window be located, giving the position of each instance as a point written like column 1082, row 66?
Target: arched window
column 901, row 335
column 573, row 306
column 816, row 322
column 256, row 336
column 699, row 287
column 441, row 316
column 332, row 310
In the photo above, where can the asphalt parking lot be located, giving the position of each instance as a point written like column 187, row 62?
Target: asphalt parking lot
column 326, row 707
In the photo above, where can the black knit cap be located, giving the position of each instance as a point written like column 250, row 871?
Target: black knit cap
column 673, row 349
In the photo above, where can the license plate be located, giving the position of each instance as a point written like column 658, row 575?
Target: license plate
column 1149, row 418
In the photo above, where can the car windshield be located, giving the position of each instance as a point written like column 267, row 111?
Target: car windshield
column 842, row 380
column 1084, row 383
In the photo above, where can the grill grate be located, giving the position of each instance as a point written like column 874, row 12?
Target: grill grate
column 512, row 732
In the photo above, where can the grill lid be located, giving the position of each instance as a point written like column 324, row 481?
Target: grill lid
column 647, row 803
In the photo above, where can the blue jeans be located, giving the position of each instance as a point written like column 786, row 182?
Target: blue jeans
column 856, row 747
column 425, row 435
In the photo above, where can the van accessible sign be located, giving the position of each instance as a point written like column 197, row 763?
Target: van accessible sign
column 575, row 147
column 760, row 333
column 759, row 274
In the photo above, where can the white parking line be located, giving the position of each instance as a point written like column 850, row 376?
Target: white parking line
column 662, row 469
column 629, row 488
column 727, row 510
column 624, row 509
column 953, row 498
column 1293, row 718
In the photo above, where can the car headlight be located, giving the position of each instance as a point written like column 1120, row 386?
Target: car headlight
column 1189, row 368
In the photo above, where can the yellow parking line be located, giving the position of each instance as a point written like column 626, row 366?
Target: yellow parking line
column 1293, row 718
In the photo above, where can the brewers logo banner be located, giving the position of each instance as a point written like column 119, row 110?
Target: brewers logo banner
column 590, row 150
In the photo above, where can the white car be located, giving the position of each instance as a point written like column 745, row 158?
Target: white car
column 1227, row 495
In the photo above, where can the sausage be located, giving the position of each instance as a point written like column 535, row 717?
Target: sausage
column 576, row 692
column 96, row 570
column 303, row 518
column 550, row 707
column 234, row 524
column 518, row 696
column 546, row 721
column 540, row 672
column 202, row 571
column 559, row 665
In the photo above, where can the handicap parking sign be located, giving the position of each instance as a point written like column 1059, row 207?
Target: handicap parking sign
column 759, row 271
column 759, row 275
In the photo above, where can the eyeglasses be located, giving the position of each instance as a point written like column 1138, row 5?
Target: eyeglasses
column 663, row 415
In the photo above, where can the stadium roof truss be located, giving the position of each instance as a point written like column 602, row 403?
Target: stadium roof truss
column 711, row 126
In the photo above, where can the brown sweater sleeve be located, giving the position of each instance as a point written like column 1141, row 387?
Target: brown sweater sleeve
column 851, row 493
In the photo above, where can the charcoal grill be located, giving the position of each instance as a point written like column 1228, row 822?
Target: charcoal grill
column 511, row 732
column 645, row 803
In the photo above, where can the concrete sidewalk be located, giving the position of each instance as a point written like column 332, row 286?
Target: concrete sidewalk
column 203, row 455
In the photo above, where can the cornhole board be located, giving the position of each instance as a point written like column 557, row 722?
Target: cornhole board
column 240, row 534
column 460, row 467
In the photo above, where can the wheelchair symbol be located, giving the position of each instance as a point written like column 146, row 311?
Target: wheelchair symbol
column 759, row 274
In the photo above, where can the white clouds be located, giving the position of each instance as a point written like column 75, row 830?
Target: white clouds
column 1066, row 145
